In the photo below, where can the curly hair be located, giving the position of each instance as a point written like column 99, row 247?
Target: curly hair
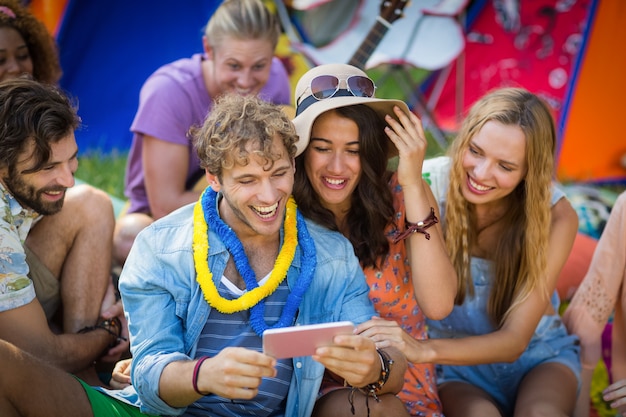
column 41, row 45
column 33, row 110
column 233, row 123
column 520, row 256
column 242, row 19
column 371, row 208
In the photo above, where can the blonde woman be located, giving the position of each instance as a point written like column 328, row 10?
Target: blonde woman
column 239, row 44
column 503, row 351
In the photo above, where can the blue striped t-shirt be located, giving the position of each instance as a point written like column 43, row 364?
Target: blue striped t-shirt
column 224, row 330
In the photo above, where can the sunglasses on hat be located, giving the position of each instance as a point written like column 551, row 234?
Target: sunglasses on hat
column 327, row 86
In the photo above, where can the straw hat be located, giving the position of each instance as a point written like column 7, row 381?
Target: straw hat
column 306, row 114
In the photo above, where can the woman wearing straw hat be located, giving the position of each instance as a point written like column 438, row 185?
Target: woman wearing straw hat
column 346, row 136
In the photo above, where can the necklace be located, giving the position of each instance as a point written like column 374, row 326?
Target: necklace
column 296, row 232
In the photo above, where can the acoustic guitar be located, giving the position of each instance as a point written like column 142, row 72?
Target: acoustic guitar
column 424, row 34
column 390, row 11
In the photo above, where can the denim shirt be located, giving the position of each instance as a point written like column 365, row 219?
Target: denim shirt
column 166, row 309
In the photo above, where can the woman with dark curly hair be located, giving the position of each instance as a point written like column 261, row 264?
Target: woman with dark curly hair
column 26, row 46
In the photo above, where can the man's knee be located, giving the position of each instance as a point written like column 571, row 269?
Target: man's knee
column 89, row 203
column 126, row 230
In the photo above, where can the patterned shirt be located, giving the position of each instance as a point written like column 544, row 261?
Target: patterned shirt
column 16, row 288
column 391, row 291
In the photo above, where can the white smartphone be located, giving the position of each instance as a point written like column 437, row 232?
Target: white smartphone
column 290, row 342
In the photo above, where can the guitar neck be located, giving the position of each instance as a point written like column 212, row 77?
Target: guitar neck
column 369, row 44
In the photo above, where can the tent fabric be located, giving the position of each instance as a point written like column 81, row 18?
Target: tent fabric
column 539, row 54
column 50, row 12
column 109, row 48
column 593, row 144
column 566, row 52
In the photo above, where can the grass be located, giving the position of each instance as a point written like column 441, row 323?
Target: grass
column 104, row 171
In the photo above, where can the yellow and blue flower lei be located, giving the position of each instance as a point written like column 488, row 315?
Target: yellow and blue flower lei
column 205, row 215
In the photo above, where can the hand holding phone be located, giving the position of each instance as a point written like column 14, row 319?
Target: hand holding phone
column 294, row 341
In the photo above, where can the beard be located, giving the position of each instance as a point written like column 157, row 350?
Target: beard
column 30, row 197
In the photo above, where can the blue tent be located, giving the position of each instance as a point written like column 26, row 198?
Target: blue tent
column 108, row 49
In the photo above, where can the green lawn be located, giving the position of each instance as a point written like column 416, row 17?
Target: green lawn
column 104, row 171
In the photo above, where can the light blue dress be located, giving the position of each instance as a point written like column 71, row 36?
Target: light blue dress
column 550, row 343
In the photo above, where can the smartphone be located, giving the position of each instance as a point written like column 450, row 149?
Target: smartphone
column 294, row 341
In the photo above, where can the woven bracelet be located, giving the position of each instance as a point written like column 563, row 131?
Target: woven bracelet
column 106, row 325
column 372, row 390
column 418, row 227
column 385, row 367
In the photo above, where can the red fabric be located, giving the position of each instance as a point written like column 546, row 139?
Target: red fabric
column 576, row 266
column 539, row 56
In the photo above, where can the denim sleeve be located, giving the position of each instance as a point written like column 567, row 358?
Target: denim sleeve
column 154, row 325
column 356, row 306
column 339, row 290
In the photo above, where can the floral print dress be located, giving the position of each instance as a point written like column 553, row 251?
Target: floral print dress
column 391, row 291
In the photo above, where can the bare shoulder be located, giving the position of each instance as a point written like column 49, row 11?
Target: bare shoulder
column 564, row 213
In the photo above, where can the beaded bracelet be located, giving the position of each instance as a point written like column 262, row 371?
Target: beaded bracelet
column 385, row 367
column 418, row 227
column 372, row 390
column 196, row 374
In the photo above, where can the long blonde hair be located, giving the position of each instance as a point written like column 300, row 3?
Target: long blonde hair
column 520, row 256
column 242, row 19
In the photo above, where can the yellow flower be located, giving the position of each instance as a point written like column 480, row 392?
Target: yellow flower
column 252, row 297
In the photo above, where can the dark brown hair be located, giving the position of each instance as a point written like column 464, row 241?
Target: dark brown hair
column 30, row 110
column 372, row 202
